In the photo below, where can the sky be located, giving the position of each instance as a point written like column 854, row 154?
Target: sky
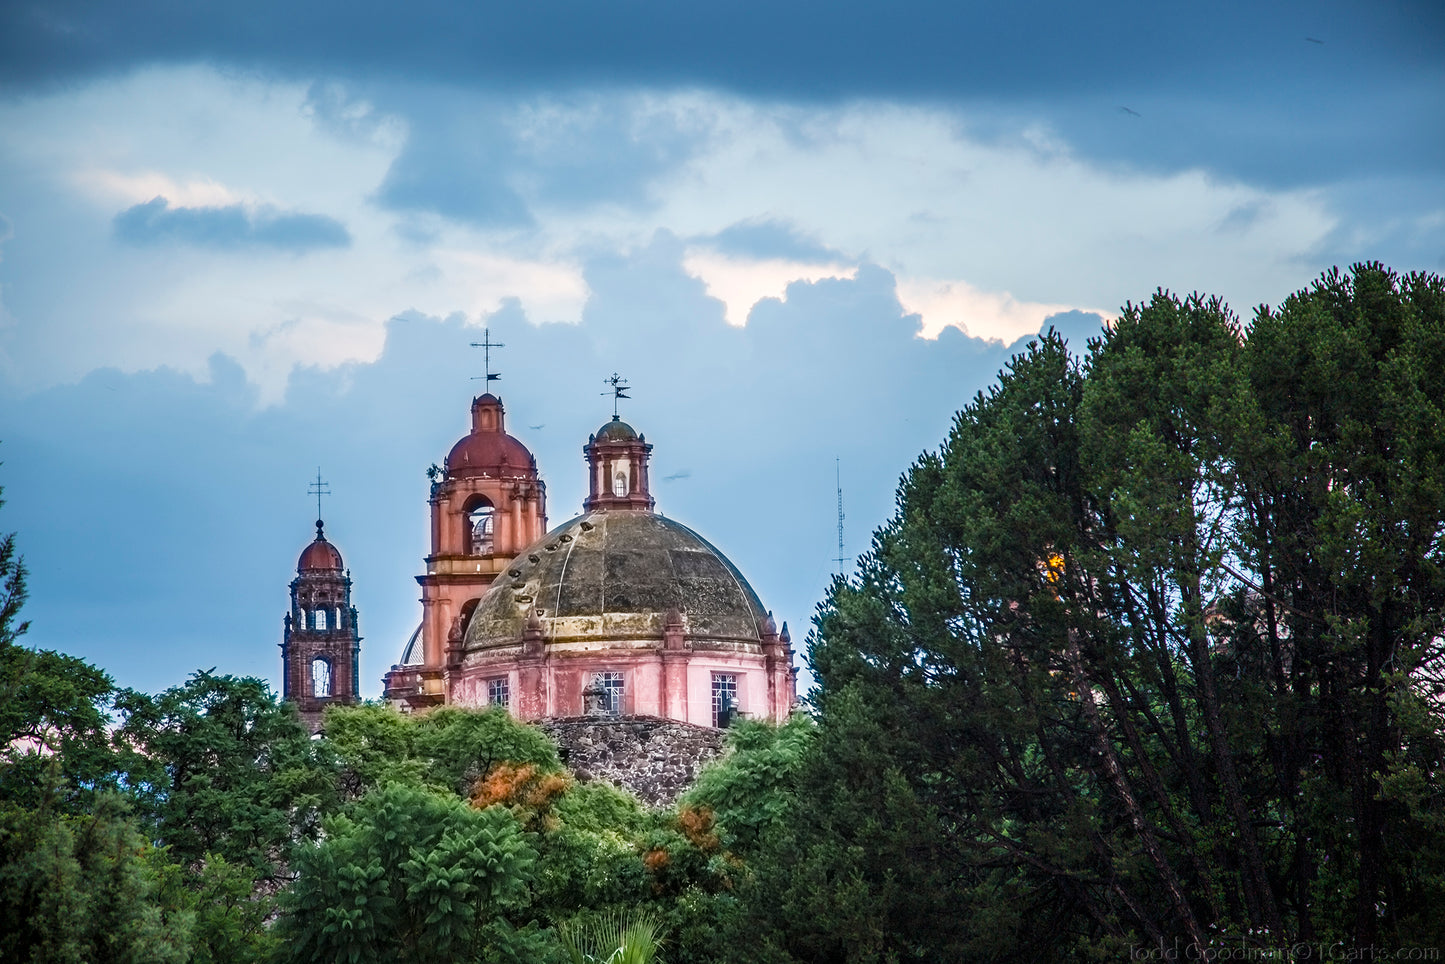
column 243, row 242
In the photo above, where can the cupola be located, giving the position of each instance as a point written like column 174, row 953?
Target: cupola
column 617, row 468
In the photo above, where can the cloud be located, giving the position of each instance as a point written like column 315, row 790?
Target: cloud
column 233, row 226
column 991, row 231
column 740, row 283
column 834, row 370
column 769, row 238
column 1236, row 89
column 497, row 161
column 983, row 314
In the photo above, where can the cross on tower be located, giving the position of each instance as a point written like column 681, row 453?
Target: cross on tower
column 318, row 489
column 618, row 390
column 486, row 345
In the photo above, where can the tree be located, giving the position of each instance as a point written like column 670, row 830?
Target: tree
column 12, row 585
column 446, row 748
column 55, row 713
column 1153, row 644
column 412, row 876
column 236, row 774
column 75, row 889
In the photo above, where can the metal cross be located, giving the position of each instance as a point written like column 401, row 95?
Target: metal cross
column 618, row 390
column 486, row 345
column 318, row 489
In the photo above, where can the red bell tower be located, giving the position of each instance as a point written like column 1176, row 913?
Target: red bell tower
column 321, row 643
column 487, row 505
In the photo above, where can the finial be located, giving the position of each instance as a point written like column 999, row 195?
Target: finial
column 318, row 489
column 486, row 345
column 619, row 390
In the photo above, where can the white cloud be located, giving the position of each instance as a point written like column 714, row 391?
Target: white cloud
column 984, row 314
column 111, row 188
column 992, row 236
column 478, row 281
column 740, row 283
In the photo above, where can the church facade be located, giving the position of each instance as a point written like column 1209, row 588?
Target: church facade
column 616, row 612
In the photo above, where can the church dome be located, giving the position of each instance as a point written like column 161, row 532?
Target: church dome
column 488, row 450
column 616, row 431
column 320, row 555
column 613, row 576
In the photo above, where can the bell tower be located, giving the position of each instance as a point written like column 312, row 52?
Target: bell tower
column 487, row 505
column 321, row 643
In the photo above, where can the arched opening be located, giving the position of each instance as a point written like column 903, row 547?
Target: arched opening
column 481, row 528
column 468, row 608
column 619, row 483
column 320, row 677
column 318, row 619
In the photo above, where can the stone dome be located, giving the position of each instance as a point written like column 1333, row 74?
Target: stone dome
column 488, row 450
column 617, row 576
column 616, row 431
column 320, row 555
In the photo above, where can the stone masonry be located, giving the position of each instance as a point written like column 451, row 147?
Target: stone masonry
column 653, row 758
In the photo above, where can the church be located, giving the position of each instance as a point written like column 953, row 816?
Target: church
column 619, row 612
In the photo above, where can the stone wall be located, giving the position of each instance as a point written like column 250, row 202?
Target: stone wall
column 654, row 758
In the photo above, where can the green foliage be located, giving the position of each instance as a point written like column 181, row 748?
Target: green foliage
column 447, row 748
column 751, row 791
column 239, row 776
column 77, row 889
column 1152, row 650
column 410, row 875
column 12, row 589
column 230, row 918
column 612, row 938
column 55, row 733
column 55, row 712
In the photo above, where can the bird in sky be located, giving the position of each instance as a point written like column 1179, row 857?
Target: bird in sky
column 1314, row 41
column 680, row 474
column 535, row 427
column 1133, row 113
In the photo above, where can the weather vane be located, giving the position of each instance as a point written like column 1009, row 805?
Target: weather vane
column 618, row 390
column 486, row 345
column 318, row 489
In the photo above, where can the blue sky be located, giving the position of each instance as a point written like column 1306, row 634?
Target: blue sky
column 241, row 241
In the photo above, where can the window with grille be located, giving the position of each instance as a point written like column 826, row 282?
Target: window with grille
column 498, row 692
column 318, row 619
column 724, row 699
column 611, row 684
column 320, row 677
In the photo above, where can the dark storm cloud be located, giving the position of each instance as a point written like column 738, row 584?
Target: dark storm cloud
column 229, row 227
column 1232, row 85
column 485, row 159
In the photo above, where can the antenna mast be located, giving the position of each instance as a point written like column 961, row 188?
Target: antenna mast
column 838, row 477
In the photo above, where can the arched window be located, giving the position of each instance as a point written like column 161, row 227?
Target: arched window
column 320, row 677
column 619, row 484
column 318, row 619
column 482, row 521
